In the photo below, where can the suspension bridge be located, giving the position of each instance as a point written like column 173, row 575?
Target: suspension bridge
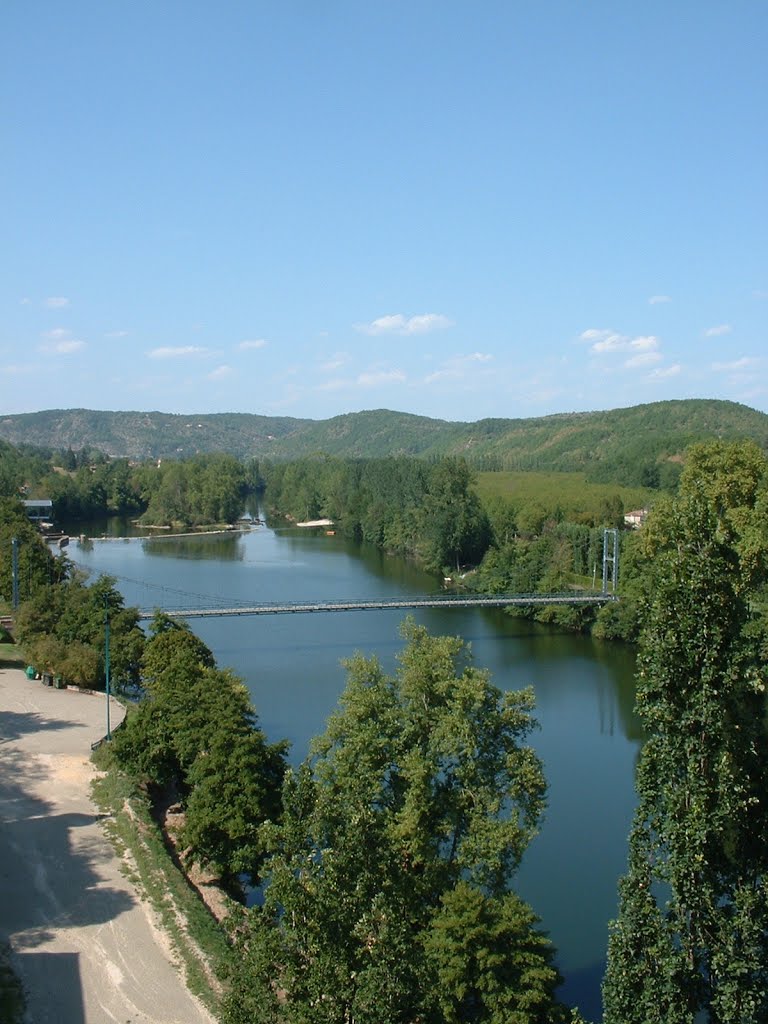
column 421, row 601
column 179, row 604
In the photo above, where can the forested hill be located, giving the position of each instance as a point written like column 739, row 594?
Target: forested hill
column 599, row 442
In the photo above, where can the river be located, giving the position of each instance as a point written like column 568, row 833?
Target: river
column 588, row 739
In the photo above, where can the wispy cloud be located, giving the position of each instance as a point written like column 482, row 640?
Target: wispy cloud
column 220, row 373
column 655, row 300
column 56, row 302
column 177, row 352
column 715, row 332
column 117, row 334
column 65, row 348
column 643, row 359
column 605, row 341
column 59, row 341
column 458, row 367
column 737, row 364
column 397, row 323
column 251, row 343
column 376, row 376
column 56, row 333
column 663, row 373
column 19, row 369
column 335, row 363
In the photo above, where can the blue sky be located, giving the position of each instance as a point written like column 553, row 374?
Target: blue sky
column 309, row 207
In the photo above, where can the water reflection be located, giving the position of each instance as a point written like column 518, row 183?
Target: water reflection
column 218, row 547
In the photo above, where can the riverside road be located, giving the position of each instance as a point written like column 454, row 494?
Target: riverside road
column 85, row 947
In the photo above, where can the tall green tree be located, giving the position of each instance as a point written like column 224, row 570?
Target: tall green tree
column 419, row 799
column 691, row 940
column 196, row 738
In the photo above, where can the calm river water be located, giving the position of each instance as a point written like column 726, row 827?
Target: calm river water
column 588, row 738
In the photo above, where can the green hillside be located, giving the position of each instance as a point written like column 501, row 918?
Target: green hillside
column 634, row 446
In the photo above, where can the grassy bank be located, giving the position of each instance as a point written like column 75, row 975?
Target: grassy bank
column 11, row 992
column 198, row 940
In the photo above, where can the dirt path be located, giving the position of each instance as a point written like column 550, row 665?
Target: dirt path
column 86, row 948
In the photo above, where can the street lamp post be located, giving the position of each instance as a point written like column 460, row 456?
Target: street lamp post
column 106, row 659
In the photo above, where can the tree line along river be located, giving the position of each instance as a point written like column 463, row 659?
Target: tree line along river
column 588, row 736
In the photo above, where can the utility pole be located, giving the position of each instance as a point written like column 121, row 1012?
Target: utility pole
column 106, row 659
column 610, row 559
column 15, row 571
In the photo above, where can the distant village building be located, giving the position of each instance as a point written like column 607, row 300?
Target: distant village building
column 38, row 509
column 634, row 520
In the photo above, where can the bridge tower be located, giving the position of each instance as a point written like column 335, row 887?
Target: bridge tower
column 610, row 559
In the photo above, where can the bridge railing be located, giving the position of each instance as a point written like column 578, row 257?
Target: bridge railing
column 363, row 604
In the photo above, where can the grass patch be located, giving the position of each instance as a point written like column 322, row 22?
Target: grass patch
column 198, row 940
column 11, row 656
column 568, row 491
column 12, row 1001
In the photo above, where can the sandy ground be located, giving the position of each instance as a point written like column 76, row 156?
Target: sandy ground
column 85, row 947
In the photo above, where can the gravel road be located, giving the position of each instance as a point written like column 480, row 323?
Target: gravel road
column 86, row 948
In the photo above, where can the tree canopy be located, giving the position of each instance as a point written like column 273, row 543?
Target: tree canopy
column 399, row 839
column 691, row 940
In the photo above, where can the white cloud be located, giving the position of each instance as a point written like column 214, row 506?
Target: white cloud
column 593, row 334
column 643, row 359
column 458, row 367
column 220, row 372
column 56, row 333
column 169, row 352
column 56, row 302
column 396, row 323
column 604, row 341
column 715, row 332
column 335, row 363
column 611, row 341
column 373, row 379
column 68, row 346
column 737, row 364
column 117, row 334
column 59, row 341
column 17, row 369
column 252, row 343
column 656, row 299
column 644, row 343
column 667, row 371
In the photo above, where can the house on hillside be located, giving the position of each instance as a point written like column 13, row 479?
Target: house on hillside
column 634, row 520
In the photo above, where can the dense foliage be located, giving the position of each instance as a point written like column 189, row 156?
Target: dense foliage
column 203, row 489
column 63, row 629
column 387, row 893
column 37, row 566
column 691, row 940
column 195, row 738
column 430, row 511
column 405, row 506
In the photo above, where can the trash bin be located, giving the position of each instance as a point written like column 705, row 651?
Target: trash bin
column 58, row 683
column 31, row 671
column 47, row 679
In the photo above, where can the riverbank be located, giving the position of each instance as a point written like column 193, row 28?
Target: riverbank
column 84, row 943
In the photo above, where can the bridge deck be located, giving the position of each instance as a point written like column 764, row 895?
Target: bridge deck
column 437, row 601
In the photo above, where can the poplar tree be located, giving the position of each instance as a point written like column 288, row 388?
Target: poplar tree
column 691, row 940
